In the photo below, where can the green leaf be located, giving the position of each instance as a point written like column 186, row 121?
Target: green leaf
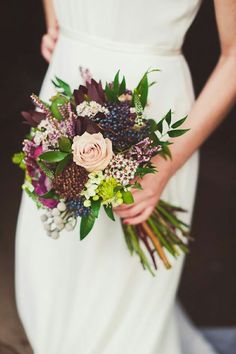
column 153, row 125
column 65, row 144
column 111, row 97
column 179, row 123
column 159, row 126
column 122, row 87
column 109, row 211
column 116, row 83
column 127, row 197
column 32, row 195
column 62, row 164
column 86, row 225
column 142, row 90
column 154, row 139
column 50, row 195
column 168, row 117
column 53, row 156
column 57, row 101
column 63, row 86
column 95, row 206
column 45, row 169
column 18, row 159
column 142, row 171
column 176, row 133
column 165, row 151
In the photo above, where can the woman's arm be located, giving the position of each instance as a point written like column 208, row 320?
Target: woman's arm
column 216, row 99
column 49, row 39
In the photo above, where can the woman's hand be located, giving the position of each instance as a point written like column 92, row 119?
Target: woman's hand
column 48, row 43
column 146, row 199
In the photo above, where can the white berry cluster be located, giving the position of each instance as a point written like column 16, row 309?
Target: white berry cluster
column 57, row 219
column 90, row 109
column 122, row 169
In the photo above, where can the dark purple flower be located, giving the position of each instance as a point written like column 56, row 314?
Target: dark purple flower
column 32, row 117
column 92, row 91
column 84, row 124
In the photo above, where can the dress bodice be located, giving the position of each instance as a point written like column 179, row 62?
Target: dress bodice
column 161, row 23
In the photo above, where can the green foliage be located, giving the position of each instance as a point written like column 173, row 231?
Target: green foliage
column 65, row 144
column 32, row 195
column 86, row 224
column 18, row 159
column 50, row 195
column 57, row 101
column 118, row 88
column 179, row 123
column 62, row 87
column 53, row 156
column 109, row 211
column 95, row 206
column 177, row 132
column 165, row 151
column 127, row 197
column 63, row 163
column 49, row 173
column 142, row 171
column 143, row 86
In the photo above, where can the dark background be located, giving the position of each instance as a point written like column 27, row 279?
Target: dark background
column 208, row 286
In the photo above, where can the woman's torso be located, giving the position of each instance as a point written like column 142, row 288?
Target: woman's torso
column 155, row 22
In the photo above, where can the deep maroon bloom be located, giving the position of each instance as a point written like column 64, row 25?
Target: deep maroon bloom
column 92, row 91
column 32, row 117
column 85, row 124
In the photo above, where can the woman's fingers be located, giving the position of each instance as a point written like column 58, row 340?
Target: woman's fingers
column 133, row 210
column 139, row 196
column 48, row 43
column 138, row 219
column 46, row 54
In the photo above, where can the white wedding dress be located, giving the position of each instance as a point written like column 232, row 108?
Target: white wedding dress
column 91, row 296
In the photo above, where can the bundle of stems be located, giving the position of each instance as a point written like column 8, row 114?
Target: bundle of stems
column 163, row 231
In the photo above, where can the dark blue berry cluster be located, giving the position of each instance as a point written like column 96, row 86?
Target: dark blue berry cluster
column 77, row 205
column 119, row 126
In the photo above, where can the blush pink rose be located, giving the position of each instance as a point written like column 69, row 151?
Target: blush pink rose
column 92, row 151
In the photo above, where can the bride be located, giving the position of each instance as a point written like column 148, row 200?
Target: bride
column 79, row 297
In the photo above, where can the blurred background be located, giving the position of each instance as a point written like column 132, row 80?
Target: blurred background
column 208, row 286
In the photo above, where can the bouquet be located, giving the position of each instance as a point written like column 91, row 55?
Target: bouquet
column 86, row 149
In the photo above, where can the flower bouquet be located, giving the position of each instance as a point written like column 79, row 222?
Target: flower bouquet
column 86, row 149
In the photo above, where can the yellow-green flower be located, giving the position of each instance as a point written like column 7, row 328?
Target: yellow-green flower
column 108, row 192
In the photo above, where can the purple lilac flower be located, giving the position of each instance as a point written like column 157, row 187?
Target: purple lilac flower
column 142, row 151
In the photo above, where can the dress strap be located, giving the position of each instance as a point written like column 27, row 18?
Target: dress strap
column 117, row 46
